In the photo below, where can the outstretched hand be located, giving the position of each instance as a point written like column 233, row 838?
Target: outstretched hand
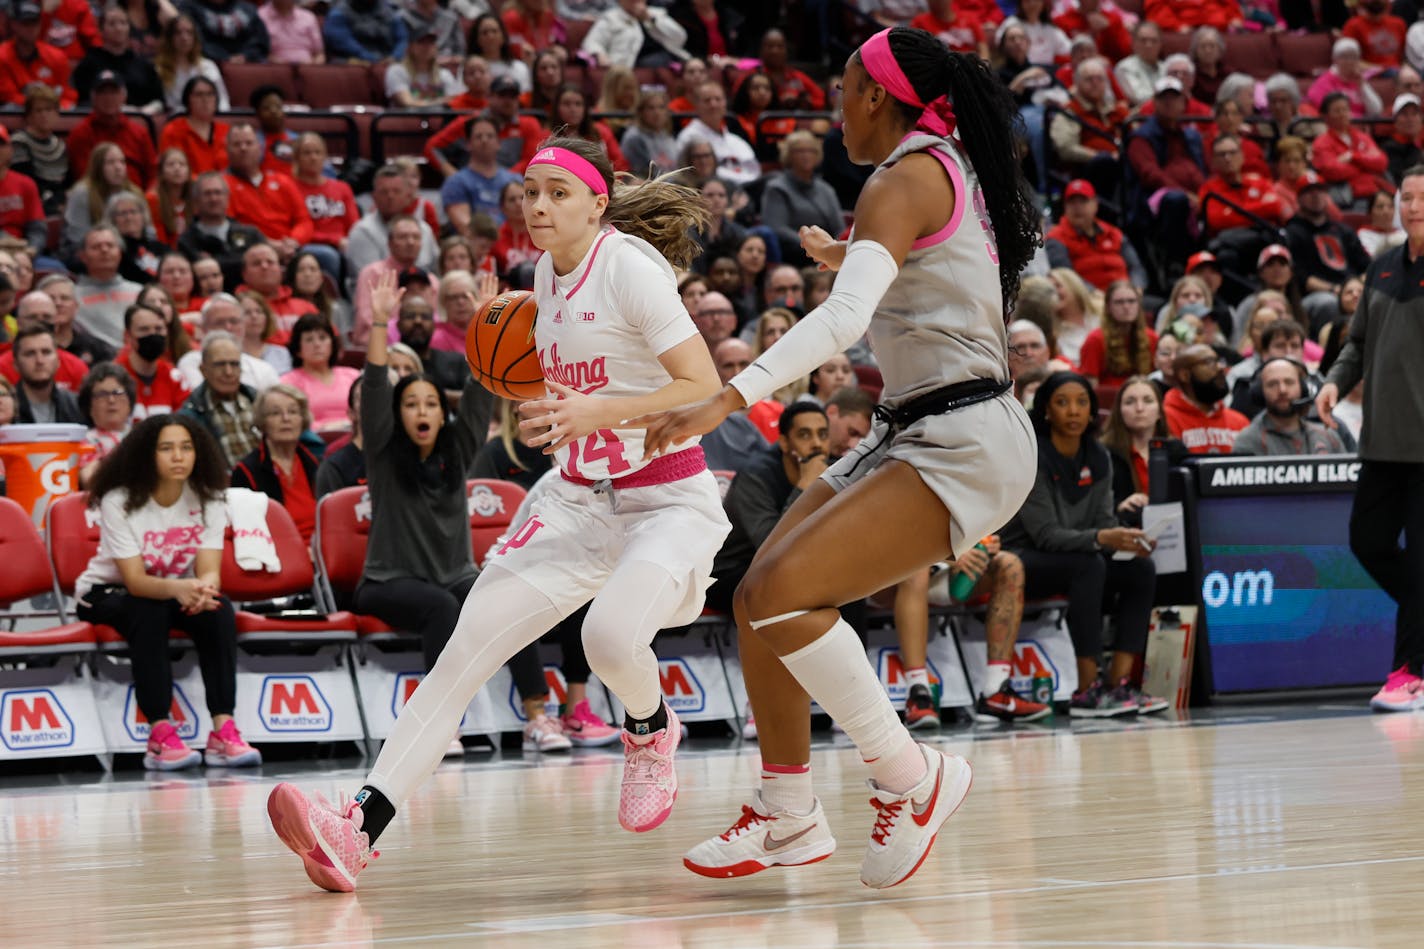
column 675, row 425
column 486, row 289
column 553, row 423
column 386, row 297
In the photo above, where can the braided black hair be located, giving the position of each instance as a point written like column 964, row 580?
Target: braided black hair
column 989, row 126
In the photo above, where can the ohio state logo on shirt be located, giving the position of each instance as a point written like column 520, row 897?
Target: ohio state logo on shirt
column 320, row 207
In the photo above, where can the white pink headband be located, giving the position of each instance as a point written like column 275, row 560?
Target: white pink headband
column 575, row 164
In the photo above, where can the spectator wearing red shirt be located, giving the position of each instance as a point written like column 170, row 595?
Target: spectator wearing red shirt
column 70, row 26
column 262, row 273
column 330, row 203
column 25, row 59
column 21, row 214
column 1379, row 33
column 519, row 135
column 693, row 75
column 958, row 29
column 34, row 308
column 514, row 246
column 1231, row 121
column 161, row 389
column 107, row 123
column 1086, row 134
column 532, row 26
column 1123, row 346
column 1196, row 406
column 476, row 77
column 1183, row 16
column 268, row 201
column 1106, row 27
column 1345, row 155
column 1179, row 66
column 1096, row 250
column 197, row 133
column 796, row 90
column 1170, row 168
column 1254, row 194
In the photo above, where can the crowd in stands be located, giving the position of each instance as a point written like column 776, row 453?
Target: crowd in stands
column 1215, row 178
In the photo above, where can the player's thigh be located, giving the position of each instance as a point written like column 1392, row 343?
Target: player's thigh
column 869, row 536
column 817, row 496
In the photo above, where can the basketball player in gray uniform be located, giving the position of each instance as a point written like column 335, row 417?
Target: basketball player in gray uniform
column 942, row 230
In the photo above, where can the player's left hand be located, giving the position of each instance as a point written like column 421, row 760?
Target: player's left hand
column 559, row 421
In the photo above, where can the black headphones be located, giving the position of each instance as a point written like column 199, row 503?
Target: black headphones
column 1307, row 385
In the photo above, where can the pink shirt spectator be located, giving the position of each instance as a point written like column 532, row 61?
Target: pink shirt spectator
column 327, row 400
column 449, row 337
column 296, row 37
column 1364, row 101
column 361, row 308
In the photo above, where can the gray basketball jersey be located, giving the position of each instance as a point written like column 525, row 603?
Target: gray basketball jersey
column 942, row 320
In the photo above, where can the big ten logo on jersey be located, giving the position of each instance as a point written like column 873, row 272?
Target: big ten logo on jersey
column 405, row 686
column 558, row 694
column 483, row 502
column 1030, row 662
column 891, row 669
column 362, row 511
column 180, row 713
column 682, row 689
column 293, row 703
column 34, row 718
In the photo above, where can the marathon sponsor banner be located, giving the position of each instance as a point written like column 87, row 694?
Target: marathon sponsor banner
column 1276, row 474
column 387, row 680
column 126, row 728
column 882, row 647
column 1043, row 649
column 49, row 712
column 695, row 683
column 297, row 698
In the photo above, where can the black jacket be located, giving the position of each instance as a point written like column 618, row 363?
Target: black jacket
column 257, row 473
column 193, row 243
column 66, row 407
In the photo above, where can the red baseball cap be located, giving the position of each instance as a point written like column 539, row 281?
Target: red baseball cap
column 1272, row 252
column 1079, row 188
column 1202, row 257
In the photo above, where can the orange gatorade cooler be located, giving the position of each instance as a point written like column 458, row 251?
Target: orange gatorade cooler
column 41, row 464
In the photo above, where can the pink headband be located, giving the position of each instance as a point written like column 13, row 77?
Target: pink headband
column 879, row 62
column 576, row 165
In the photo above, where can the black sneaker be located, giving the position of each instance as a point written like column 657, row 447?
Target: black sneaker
column 921, row 709
column 1097, row 701
column 1006, row 705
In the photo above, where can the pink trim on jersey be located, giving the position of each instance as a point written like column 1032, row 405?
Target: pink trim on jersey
column 588, row 268
column 956, row 181
column 786, row 768
column 663, row 469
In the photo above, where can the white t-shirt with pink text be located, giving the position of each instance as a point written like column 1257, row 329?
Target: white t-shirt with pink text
column 167, row 538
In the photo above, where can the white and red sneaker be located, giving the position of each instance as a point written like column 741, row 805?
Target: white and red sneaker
column 906, row 824
column 329, row 839
column 542, row 733
column 166, row 751
column 1403, row 691
column 761, row 839
column 228, row 749
column 587, row 730
column 649, row 778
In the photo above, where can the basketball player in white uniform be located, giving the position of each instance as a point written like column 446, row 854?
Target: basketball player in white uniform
column 942, row 230
column 633, row 531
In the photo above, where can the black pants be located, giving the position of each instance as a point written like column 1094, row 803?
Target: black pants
column 1389, row 500
column 1088, row 579
column 145, row 624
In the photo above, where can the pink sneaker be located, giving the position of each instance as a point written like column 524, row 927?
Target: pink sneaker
column 649, row 779
column 166, row 751
column 1403, row 691
column 587, row 730
column 329, row 840
column 227, row 749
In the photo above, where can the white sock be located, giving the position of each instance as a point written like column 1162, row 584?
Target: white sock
column 997, row 675
column 787, row 788
column 836, row 673
column 917, row 675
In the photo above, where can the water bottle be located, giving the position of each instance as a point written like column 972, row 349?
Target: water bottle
column 963, row 583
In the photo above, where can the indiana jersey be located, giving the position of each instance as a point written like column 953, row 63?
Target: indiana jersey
column 942, row 320
column 600, row 330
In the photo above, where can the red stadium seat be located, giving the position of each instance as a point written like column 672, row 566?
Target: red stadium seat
column 343, row 524
column 1304, row 54
column 295, row 577
column 27, row 574
column 242, row 79
column 73, row 537
column 1176, row 43
column 331, row 84
column 1252, row 53
column 492, row 506
column 870, row 380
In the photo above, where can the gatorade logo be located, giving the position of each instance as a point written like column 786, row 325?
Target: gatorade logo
column 1030, row 662
column 181, row 714
column 682, row 690
column 891, row 670
column 31, row 719
column 293, row 703
column 558, row 694
column 54, row 471
column 484, row 502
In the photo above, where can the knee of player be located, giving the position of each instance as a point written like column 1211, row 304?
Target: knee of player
column 1006, row 567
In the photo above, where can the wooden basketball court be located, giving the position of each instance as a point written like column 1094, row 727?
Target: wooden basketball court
column 1244, row 828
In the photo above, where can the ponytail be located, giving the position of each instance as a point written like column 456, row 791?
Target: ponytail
column 660, row 211
column 989, row 127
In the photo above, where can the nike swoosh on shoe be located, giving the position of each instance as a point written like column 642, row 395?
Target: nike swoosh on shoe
column 771, row 843
column 922, row 814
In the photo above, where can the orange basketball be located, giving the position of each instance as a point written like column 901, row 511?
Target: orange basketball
column 499, row 346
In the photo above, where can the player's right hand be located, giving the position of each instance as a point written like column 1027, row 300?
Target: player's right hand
column 1325, row 401
column 665, row 429
column 821, row 247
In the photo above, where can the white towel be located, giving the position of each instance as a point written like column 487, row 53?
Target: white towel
column 251, row 540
